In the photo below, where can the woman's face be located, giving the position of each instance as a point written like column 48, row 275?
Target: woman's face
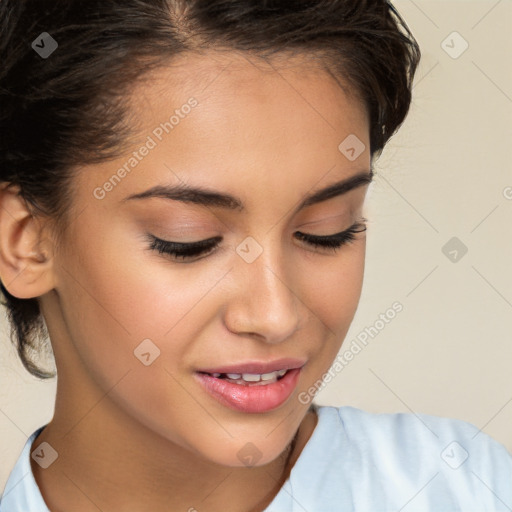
column 139, row 324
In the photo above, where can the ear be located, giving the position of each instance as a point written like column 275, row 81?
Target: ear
column 25, row 252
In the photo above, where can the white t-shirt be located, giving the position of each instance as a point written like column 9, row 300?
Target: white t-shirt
column 356, row 461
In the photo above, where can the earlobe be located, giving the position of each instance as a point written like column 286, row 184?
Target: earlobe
column 25, row 258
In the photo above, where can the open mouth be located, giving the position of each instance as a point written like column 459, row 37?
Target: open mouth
column 250, row 392
column 249, row 379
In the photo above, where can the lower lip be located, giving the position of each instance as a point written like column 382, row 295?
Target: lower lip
column 250, row 398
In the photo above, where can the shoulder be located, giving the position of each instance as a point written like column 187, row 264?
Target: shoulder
column 417, row 431
column 415, row 425
column 406, row 452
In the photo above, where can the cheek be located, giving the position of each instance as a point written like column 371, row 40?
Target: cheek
column 127, row 302
column 334, row 290
column 112, row 303
column 335, row 286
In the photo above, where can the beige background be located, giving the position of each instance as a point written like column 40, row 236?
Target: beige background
column 444, row 175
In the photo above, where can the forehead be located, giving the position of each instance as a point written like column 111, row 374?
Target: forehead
column 268, row 130
column 237, row 87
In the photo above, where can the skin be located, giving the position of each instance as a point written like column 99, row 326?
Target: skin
column 133, row 437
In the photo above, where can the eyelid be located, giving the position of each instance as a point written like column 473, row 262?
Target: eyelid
column 361, row 223
column 323, row 220
column 336, row 239
column 209, row 241
column 191, row 252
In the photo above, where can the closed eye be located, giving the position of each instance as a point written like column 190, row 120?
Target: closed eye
column 335, row 241
column 186, row 251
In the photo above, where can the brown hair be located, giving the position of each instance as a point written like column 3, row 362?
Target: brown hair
column 69, row 109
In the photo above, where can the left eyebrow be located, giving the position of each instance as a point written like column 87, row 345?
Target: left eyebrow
column 208, row 197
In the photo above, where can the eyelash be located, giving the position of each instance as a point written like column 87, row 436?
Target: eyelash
column 186, row 251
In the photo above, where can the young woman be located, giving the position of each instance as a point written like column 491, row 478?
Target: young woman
column 181, row 213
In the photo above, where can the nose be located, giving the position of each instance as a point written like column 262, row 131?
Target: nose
column 263, row 303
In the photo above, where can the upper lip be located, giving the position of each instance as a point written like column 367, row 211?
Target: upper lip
column 257, row 367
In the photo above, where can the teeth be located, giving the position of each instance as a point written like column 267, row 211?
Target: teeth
column 254, row 377
column 268, row 376
column 251, row 377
